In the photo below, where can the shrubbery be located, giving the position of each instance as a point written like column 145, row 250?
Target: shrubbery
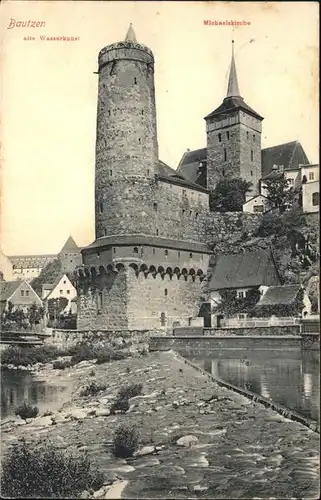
column 25, row 356
column 125, row 442
column 46, row 473
column 92, row 389
column 130, row 391
column 61, row 365
column 27, row 411
column 108, row 354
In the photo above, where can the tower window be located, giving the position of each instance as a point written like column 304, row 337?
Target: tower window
column 179, row 254
column 135, row 81
column 135, row 250
column 105, row 231
column 225, row 155
column 98, row 254
column 155, row 207
column 101, row 207
column 183, row 211
column 163, row 319
column 142, row 111
column 251, row 154
column 139, row 140
column 190, row 213
column 154, row 251
column 251, row 173
column 110, row 173
column 165, row 292
column 247, row 135
column 196, row 215
column 253, row 137
column 219, row 137
column 147, row 172
column 190, row 255
column 157, row 232
column 109, row 112
column 311, row 176
column 166, row 252
column 228, row 135
column 114, row 249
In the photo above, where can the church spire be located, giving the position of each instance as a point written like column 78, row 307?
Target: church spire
column 131, row 37
column 233, row 86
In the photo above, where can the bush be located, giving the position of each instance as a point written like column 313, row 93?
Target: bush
column 83, row 352
column 25, row 356
column 27, row 411
column 92, row 389
column 46, row 473
column 130, row 391
column 121, row 404
column 125, row 441
column 61, row 365
column 108, row 354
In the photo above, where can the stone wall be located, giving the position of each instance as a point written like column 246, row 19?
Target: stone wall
column 68, row 338
column 195, row 345
column 229, row 226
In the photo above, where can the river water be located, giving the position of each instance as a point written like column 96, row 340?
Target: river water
column 18, row 386
column 290, row 378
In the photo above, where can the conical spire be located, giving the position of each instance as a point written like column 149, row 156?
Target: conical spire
column 233, row 86
column 131, row 37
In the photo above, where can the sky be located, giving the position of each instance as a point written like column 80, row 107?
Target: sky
column 49, row 95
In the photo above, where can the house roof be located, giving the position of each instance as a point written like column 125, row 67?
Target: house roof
column 279, row 295
column 7, row 288
column 254, row 197
column 70, row 246
column 290, row 155
column 168, row 174
column 190, row 167
column 31, row 261
column 153, row 241
column 233, row 104
column 244, row 270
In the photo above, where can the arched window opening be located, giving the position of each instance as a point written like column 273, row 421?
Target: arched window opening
column 135, row 250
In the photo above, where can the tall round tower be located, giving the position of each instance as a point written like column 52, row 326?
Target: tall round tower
column 126, row 141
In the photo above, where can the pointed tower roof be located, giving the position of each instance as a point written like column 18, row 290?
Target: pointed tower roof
column 233, row 100
column 233, row 86
column 70, row 246
column 131, row 37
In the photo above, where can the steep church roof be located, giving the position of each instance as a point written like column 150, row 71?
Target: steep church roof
column 290, row 155
column 233, row 100
column 70, row 246
column 244, row 270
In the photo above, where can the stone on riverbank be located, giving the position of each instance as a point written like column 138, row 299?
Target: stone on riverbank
column 187, row 441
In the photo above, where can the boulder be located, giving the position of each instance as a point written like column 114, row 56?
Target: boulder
column 43, row 421
column 187, row 441
column 103, row 412
column 146, row 450
column 78, row 414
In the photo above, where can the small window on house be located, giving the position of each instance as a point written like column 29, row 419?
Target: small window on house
column 291, row 181
column 166, row 252
column 155, row 206
column 258, row 208
column 315, row 199
column 27, row 293
column 135, row 250
column 228, row 135
column 219, row 137
column 61, row 292
column 165, row 292
column 311, row 176
column 71, row 261
column 64, row 282
column 68, row 292
column 22, row 293
column 190, row 255
column 251, row 154
column 225, row 155
column 242, row 316
column 240, row 294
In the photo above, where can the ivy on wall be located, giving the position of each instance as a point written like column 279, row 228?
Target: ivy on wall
column 230, row 304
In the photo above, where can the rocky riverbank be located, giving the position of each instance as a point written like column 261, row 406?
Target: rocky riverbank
column 197, row 440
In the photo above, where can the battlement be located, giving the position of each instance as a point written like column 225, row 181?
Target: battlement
column 125, row 50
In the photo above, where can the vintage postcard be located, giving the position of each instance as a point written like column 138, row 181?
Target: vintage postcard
column 159, row 249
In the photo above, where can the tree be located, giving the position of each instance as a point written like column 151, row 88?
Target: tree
column 229, row 195
column 56, row 306
column 279, row 193
column 48, row 275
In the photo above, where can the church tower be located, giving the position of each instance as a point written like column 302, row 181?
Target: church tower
column 126, row 139
column 233, row 138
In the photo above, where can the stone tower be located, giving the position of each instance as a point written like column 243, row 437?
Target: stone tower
column 126, row 141
column 233, row 138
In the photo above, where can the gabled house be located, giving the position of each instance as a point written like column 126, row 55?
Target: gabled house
column 19, row 293
column 244, row 276
column 282, row 301
column 257, row 204
column 61, row 288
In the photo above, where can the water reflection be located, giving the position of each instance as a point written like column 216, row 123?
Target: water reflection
column 290, row 378
column 20, row 386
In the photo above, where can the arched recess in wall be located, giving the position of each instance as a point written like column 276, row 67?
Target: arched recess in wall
column 144, row 269
column 192, row 273
column 134, row 267
column 120, row 267
column 184, row 273
column 152, row 271
column 177, row 271
column 161, row 271
column 169, row 271
column 102, row 271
